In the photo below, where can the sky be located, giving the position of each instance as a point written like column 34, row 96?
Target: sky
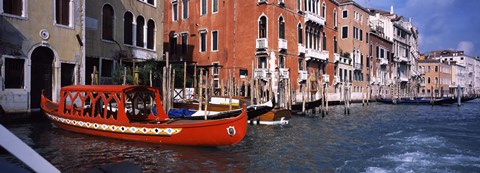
column 442, row 24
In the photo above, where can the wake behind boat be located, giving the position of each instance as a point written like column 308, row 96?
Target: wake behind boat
column 128, row 112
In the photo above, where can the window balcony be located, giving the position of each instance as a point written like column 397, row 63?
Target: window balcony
column 284, row 73
column 260, row 73
column 421, row 71
column 403, row 78
column 336, row 57
column 313, row 54
column 326, row 78
column 324, row 55
column 262, row 43
column 383, row 61
column 336, row 79
column 282, row 44
column 403, row 59
column 302, row 75
column 315, row 18
column 301, row 49
column 357, row 66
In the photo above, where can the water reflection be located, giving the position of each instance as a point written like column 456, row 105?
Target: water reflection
column 374, row 138
column 75, row 152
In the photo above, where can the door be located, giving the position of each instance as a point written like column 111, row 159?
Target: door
column 41, row 75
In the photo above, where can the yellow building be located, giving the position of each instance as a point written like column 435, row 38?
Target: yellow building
column 45, row 45
column 41, row 48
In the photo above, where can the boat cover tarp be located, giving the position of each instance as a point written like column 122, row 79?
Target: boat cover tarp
column 180, row 112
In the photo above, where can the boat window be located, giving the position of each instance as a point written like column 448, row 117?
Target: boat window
column 67, row 103
column 87, row 105
column 140, row 104
column 72, row 103
column 99, row 105
column 108, row 105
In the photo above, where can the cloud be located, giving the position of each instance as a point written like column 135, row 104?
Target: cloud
column 467, row 46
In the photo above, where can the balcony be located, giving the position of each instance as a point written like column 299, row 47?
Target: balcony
column 357, row 66
column 383, row 61
column 316, row 54
column 302, row 75
column 312, row 17
column 336, row 57
column 260, row 73
column 402, row 59
column 403, row 78
column 262, row 43
column 326, row 78
column 284, row 73
column 301, row 49
column 421, row 71
column 336, row 79
column 282, row 44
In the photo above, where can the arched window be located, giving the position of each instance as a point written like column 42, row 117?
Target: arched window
column 150, row 34
column 335, row 49
column 262, row 27
column 140, row 25
column 428, row 80
column 299, row 5
column 128, row 28
column 300, row 34
column 324, row 10
column 281, row 28
column 324, row 41
column 335, row 18
column 107, row 22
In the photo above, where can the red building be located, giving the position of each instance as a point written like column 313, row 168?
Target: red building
column 282, row 39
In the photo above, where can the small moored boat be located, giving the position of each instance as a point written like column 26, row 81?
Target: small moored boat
column 136, row 113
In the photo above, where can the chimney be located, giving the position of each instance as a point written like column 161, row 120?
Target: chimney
column 391, row 9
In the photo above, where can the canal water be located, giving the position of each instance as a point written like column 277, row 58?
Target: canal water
column 374, row 138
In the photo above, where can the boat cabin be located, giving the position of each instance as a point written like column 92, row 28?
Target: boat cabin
column 111, row 102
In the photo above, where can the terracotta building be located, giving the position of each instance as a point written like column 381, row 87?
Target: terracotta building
column 470, row 63
column 353, row 28
column 381, row 70
column 436, row 78
column 280, row 39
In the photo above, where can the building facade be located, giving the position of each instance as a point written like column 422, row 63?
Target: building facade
column 41, row 48
column 471, row 65
column 121, row 33
column 438, row 78
column 381, row 50
column 353, row 30
column 270, row 41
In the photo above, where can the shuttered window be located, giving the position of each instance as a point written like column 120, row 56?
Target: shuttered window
column 14, row 73
column 14, row 7
column 62, row 12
